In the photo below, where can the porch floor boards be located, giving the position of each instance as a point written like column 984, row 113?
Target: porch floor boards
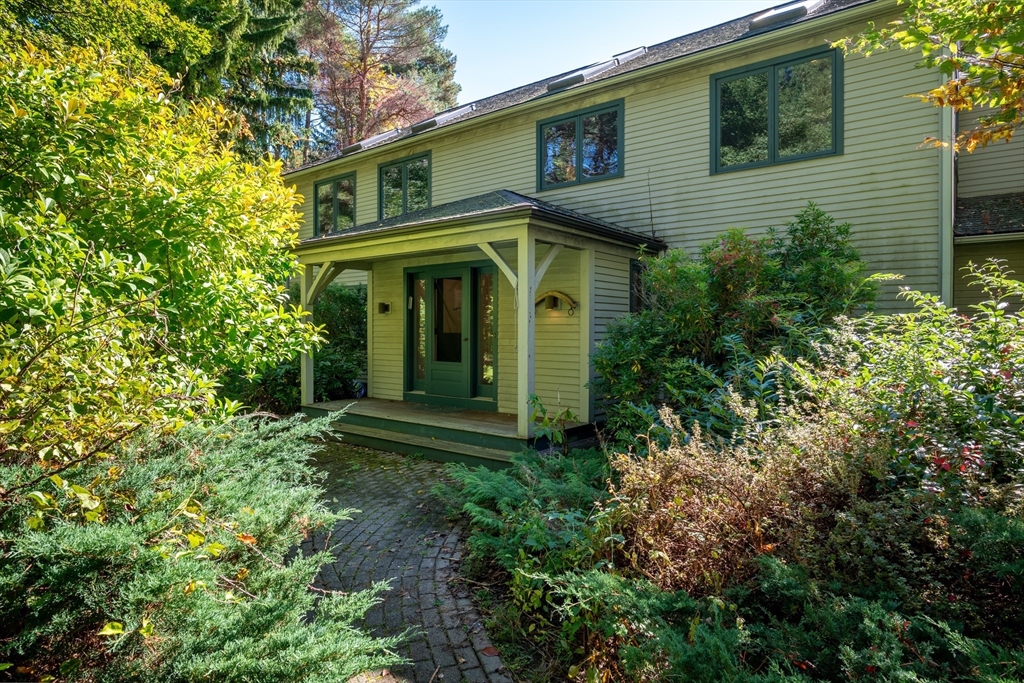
column 476, row 421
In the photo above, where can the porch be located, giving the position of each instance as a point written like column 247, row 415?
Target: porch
column 475, row 309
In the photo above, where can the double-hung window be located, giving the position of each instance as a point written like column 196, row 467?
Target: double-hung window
column 404, row 185
column 335, row 206
column 580, row 147
column 779, row 111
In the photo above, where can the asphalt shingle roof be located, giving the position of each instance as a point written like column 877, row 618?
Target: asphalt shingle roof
column 989, row 215
column 722, row 34
column 499, row 201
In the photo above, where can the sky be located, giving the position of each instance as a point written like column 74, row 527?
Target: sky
column 502, row 44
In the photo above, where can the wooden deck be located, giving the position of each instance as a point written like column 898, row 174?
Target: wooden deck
column 477, row 421
column 441, row 433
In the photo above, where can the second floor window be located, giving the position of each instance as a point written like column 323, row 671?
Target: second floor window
column 335, row 206
column 580, row 147
column 404, row 186
column 775, row 112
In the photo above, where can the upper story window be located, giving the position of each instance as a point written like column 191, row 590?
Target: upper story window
column 335, row 206
column 779, row 111
column 580, row 147
column 404, row 185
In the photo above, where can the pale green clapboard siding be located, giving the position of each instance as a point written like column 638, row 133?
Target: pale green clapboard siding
column 996, row 169
column 885, row 186
column 1011, row 251
column 388, row 328
column 557, row 347
column 351, row 277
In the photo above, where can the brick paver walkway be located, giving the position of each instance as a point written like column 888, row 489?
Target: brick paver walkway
column 401, row 535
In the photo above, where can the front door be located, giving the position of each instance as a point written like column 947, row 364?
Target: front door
column 450, row 339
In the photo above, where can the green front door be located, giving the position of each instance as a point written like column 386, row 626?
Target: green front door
column 448, row 329
column 449, row 338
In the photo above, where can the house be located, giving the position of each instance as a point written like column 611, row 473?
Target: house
column 498, row 239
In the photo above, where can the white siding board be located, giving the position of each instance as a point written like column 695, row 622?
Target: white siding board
column 995, row 169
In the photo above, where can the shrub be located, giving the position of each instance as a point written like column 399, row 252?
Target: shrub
column 170, row 560
column 710, row 321
column 863, row 522
column 340, row 312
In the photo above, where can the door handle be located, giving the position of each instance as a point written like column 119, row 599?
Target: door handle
column 465, row 339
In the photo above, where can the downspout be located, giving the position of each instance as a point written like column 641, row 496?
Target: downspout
column 947, row 201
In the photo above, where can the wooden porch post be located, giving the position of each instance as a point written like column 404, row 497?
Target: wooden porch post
column 527, row 250
column 306, row 359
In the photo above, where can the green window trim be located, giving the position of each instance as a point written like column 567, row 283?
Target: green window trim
column 577, row 117
column 403, row 163
column 316, row 200
column 768, row 67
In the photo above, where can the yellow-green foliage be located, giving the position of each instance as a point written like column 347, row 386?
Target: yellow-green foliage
column 139, row 259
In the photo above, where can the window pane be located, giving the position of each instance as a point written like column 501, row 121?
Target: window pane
column 485, row 322
column 743, row 120
column 419, row 326
column 391, row 185
column 601, row 144
column 419, row 184
column 560, row 152
column 805, row 107
column 325, row 208
column 346, row 203
column 448, row 319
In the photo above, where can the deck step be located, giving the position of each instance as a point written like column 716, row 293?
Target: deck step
column 433, row 448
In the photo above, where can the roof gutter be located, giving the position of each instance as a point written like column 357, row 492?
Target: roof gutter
column 869, row 8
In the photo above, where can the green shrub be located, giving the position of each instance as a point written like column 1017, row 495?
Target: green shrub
column 709, row 322
column 863, row 522
column 180, row 547
column 340, row 312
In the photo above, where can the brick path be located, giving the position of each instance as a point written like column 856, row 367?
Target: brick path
column 401, row 534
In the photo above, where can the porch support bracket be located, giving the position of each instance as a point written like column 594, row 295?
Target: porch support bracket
column 493, row 254
column 545, row 262
column 328, row 272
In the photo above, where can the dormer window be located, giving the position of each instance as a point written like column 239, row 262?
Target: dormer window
column 404, row 185
column 775, row 112
column 335, row 205
column 580, row 147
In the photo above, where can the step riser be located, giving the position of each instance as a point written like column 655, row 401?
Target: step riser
column 438, row 455
column 442, row 433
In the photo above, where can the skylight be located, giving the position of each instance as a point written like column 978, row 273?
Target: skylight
column 785, row 13
column 591, row 71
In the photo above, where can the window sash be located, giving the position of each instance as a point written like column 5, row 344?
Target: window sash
column 335, row 204
column 404, row 165
column 771, row 68
column 576, row 118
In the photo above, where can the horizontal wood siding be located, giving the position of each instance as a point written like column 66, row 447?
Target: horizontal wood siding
column 1011, row 251
column 996, row 169
column 885, row 186
column 557, row 348
column 388, row 330
column 351, row 277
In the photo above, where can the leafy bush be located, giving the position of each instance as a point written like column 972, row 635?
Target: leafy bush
column 169, row 560
column 139, row 259
column 340, row 313
column 863, row 522
column 709, row 321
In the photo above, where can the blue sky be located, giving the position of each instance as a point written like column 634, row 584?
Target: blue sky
column 502, row 44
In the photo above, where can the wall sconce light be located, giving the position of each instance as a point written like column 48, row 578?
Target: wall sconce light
column 383, row 307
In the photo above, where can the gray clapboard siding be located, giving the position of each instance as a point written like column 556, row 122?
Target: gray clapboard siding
column 996, row 169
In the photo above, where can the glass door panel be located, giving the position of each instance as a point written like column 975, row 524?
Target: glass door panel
column 484, row 320
column 448, row 319
column 418, row 325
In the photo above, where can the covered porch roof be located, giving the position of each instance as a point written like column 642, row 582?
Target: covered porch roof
column 485, row 224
